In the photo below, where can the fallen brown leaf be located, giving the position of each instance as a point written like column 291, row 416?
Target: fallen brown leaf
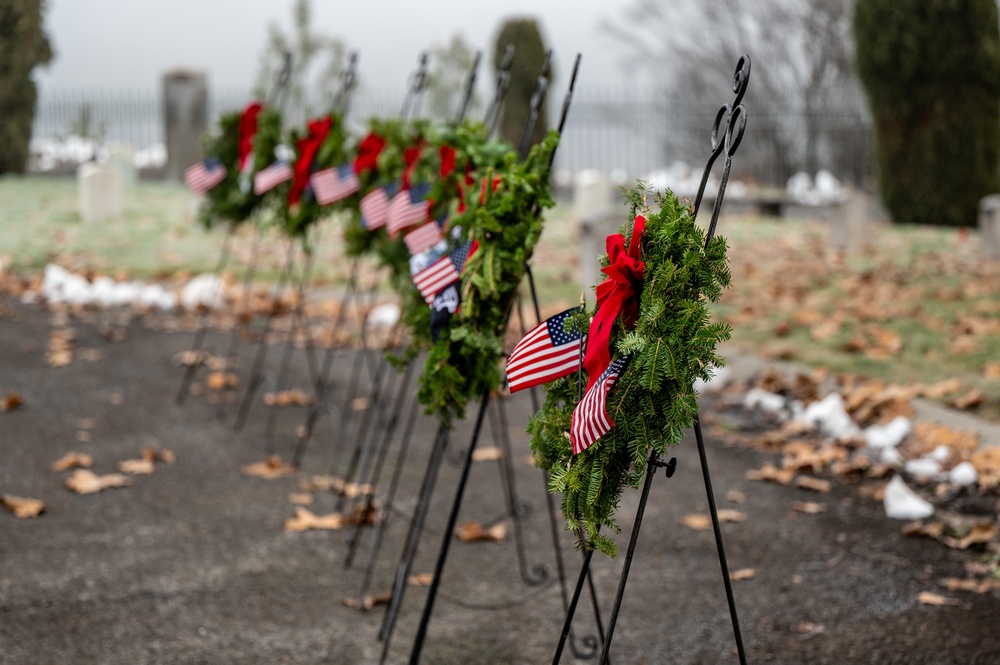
column 84, row 481
column 472, row 532
column 991, row 371
column 987, row 463
column 700, row 522
column 359, row 404
column 420, row 579
column 91, row 355
column 742, row 574
column 137, row 467
column 933, row 530
column 218, row 381
column 270, row 468
column 697, row 522
column 368, row 602
column 73, row 460
column 86, row 423
column 21, row 506
column 929, row 598
column 969, row 400
column 809, row 507
column 809, row 629
column 772, row 473
column 84, row 436
column 293, row 397
column 972, row 584
column 735, row 496
column 491, row 454
column 301, row 498
column 10, row 401
column 814, row 484
column 305, row 520
column 980, row 533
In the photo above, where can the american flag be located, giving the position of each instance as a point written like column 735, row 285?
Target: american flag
column 267, row 179
column 375, row 206
column 334, row 184
column 444, row 271
column 545, row 354
column 204, row 175
column 408, row 208
column 426, row 236
column 590, row 417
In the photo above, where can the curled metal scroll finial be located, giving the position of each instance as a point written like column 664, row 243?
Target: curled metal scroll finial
column 418, row 82
column 348, row 81
column 727, row 134
column 277, row 95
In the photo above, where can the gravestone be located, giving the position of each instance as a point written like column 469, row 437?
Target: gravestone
column 850, row 229
column 99, row 189
column 185, row 117
column 597, row 214
column 989, row 226
column 120, row 158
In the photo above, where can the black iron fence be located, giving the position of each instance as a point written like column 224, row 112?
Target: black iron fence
column 628, row 132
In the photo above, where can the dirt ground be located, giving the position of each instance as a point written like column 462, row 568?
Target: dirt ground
column 191, row 564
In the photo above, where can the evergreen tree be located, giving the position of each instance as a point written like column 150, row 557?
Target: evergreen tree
column 529, row 54
column 23, row 46
column 931, row 69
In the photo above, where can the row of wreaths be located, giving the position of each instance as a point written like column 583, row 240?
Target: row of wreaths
column 455, row 217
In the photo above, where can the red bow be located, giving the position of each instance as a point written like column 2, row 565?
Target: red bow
column 410, row 157
column 618, row 294
column 247, row 131
column 482, row 188
column 447, row 160
column 309, row 145
column 467, row 181
column 368, row 152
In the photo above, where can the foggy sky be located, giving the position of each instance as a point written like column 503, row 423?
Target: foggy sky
column 128, row 44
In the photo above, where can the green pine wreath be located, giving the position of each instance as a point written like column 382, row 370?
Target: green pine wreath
column 653, row 401
column 464, row 363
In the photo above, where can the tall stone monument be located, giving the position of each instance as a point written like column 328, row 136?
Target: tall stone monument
column 185, row 117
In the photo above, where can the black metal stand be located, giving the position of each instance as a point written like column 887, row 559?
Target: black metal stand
column 731, row 118
column 199, row 336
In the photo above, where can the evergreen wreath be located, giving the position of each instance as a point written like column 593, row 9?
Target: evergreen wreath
column 653, row 401
column 231, row 201
column 464, row 361
column 331, row 151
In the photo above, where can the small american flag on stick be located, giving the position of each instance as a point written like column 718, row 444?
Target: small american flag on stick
column 204, row 175
column 546, row 353
column 444, row 271
column 590, row 417
column 267, row 179
column 408, row 208
column 375, row 206
column 334, row 184
column 423, row 237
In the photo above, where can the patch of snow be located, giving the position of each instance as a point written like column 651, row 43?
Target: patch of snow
column 383, row 316
column 940, row 454
column 757, row 398
column 720, row 377
column 923, row 468
column 963, row 475
column 890, row 435
column 204, row 290
column 902, row 503
column 890, row 456
column 829, row 416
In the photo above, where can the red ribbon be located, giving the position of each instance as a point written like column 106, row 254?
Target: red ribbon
column 309, row 145
column 368, row 151
column 618, row 294
column 469, row 181
column 247, row 131
column 447, row 154
column 482, row 189
column 410, row 157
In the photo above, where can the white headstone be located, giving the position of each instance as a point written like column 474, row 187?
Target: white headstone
column 849, row 226
column 100, row 192
column 593, row 201
column 121, row 158
column 989, row 226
